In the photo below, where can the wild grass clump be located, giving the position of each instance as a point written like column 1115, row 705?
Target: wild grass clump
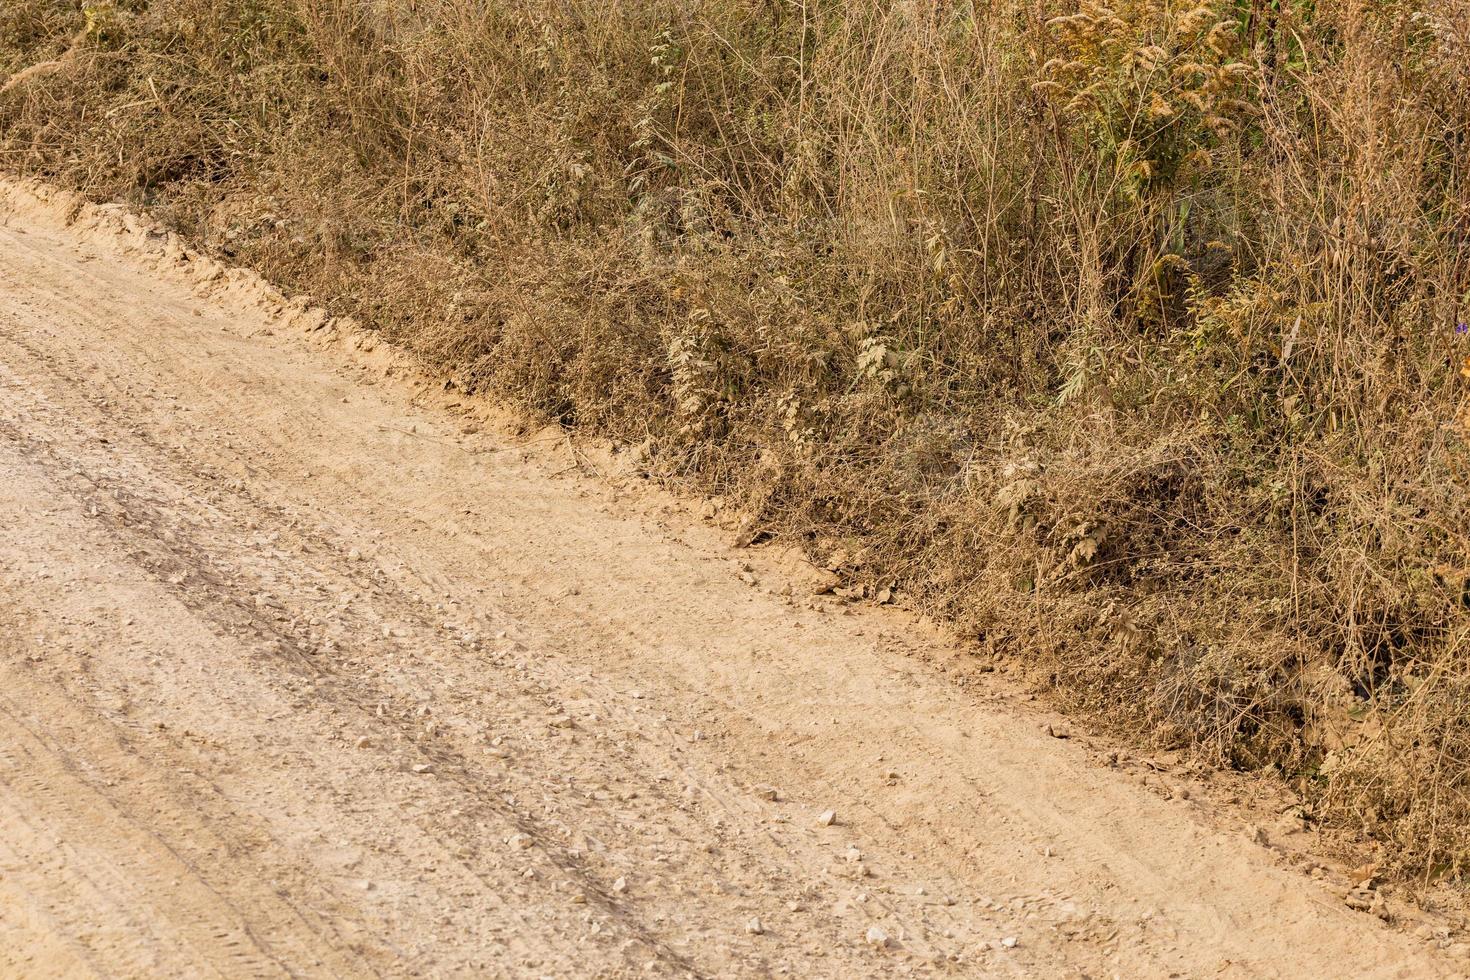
column 1123, row 336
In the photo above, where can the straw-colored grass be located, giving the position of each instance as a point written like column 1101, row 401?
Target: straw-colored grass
column 1125, row 338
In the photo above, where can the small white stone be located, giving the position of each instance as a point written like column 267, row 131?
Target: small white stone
column 754, row 927
column 876, row 937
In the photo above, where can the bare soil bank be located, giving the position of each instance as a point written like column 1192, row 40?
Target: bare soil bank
column 309, row 669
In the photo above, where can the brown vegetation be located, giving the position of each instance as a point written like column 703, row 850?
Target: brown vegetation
column 1125, row 337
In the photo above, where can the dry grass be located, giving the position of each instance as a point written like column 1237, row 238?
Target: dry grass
column 1123, row 337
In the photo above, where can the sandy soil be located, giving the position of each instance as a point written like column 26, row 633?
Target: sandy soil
column 309, row 669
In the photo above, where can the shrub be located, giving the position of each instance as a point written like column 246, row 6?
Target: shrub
column 1121, row 336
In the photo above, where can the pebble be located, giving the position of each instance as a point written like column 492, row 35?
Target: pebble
column 876, row 937
column 1364, row 898
column 1009, row 942
column 826, row 818
column 423, row 767
column 519, row 841
column 754, row 927
column 621, row 885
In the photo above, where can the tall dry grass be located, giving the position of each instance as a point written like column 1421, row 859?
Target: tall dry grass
column 1124, row 337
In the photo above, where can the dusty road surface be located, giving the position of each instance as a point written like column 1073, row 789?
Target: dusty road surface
column 303, row 674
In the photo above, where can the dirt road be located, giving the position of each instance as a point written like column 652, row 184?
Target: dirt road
column 304, row 671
